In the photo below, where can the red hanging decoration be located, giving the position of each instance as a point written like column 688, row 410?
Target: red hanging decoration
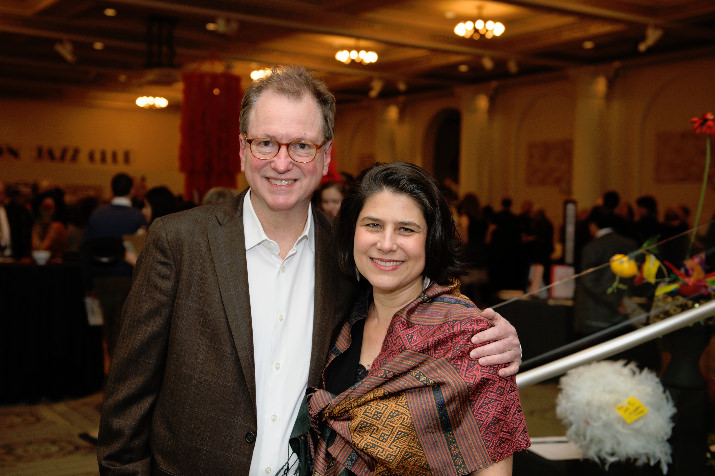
column 209, row 145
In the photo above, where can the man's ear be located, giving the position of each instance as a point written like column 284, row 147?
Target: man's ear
column 327, row 156
column 242, row 151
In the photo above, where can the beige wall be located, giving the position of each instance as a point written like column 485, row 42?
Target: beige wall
column 150, row 137
column 611, row 115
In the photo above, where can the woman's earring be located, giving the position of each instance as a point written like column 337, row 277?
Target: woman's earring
column 357, row 274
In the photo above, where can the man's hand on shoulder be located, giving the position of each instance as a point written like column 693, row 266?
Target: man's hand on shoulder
column 503, row 344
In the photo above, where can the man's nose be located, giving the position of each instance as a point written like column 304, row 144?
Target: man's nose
column 282, row 161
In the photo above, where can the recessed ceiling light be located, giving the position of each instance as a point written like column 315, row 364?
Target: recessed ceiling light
column 450, row 15
column 98, row 45
column 211, row 26
column 110, row 12
column 588, row 45
column 463, row 68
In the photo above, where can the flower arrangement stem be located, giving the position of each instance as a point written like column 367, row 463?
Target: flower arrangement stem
column 702, row 194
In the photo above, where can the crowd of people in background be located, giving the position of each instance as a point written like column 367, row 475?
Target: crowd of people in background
column 504, row 248
column 39, row 216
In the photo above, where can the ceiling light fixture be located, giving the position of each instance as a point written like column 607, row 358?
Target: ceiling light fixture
column 362, row 56
column 257, row 74
column 479, row 28
column 151, row 102
column 110, row 12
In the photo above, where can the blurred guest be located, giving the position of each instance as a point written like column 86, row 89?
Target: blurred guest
column 506, row 257
column 48, row 232
column 525, row 217
column 330, row 196
column 595, row 308
column 78, row 214
column 674, row 238
column 610, row 200
column 542, row 244
column 537, row 236
column 474, row 282
column 5, row 237
column 45, row 189
column 708, row 243
column 647, row 225
column 476, row 230
column 15, row 224
column 219, row 195
column 159, row 201
column 626, row 220
column 138, row 192
column 106, row 273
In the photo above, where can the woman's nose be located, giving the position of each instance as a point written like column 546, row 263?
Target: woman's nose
column 387, row 241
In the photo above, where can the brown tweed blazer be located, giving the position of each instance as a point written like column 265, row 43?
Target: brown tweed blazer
column 180, row 397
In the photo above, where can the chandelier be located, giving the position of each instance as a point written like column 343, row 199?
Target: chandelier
column 478, row 28
column 151, row 102
column 362, row 56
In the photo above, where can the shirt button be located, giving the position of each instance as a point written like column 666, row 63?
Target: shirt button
column 277, row 366
column 283, row 269
column 274, row 417
column 250, row 437
column 280, row 318
column 268, row 470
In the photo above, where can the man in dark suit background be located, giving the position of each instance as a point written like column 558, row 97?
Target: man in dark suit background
column 106, row 273
column 595, row 309
column 234, row 306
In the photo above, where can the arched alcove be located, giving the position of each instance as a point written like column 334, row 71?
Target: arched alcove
column 442, row 145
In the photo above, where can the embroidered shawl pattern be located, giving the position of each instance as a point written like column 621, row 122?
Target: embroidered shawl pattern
column 425, row 406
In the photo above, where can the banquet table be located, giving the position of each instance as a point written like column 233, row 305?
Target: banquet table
column 47, row 348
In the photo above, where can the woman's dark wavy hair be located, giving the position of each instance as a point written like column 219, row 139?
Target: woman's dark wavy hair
column 443, row 248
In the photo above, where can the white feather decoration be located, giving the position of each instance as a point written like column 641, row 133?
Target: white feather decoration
column 587, row 406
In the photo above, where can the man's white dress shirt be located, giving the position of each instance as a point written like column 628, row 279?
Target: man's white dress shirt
column 281, row 293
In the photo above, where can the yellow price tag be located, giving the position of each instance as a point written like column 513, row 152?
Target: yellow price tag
column 631, row 410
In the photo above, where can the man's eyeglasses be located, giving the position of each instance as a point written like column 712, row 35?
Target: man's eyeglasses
column 298, row 151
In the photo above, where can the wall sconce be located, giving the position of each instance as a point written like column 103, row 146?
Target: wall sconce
column 652, row 35
column 65, row 48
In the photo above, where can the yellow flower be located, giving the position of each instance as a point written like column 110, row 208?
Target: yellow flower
column 650, row 268
column 623, row 266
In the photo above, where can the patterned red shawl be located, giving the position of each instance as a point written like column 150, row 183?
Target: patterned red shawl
column 425, row 406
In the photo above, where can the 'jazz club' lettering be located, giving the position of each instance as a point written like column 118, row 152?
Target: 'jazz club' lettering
column 72, row 155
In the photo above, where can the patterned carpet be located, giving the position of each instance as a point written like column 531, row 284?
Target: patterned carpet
column 42, row 439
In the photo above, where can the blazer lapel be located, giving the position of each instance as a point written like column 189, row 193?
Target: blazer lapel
column 326, row 287
column 228, row 249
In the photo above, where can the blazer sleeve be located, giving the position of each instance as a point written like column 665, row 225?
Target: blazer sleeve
column 138, row 364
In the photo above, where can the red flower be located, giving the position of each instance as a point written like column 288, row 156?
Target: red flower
column 704, row 124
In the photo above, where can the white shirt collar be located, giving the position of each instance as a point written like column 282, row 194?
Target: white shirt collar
column 122, row 201
column 253, row 230
column 603, row 231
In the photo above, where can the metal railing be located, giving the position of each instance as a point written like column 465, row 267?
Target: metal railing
column 616, row 345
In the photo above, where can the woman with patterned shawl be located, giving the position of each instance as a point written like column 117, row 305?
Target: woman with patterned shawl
column 400, row 394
